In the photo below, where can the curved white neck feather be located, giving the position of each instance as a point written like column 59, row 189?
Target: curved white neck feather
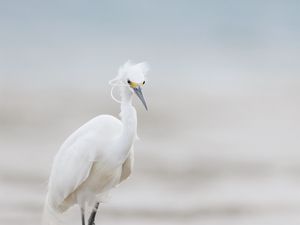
column 129, row 120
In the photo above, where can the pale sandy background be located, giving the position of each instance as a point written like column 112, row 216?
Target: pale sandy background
column 220, row 143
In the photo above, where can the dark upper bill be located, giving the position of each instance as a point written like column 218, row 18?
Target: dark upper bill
column 138, row 92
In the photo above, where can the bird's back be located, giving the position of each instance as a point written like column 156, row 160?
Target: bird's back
column 106, row 127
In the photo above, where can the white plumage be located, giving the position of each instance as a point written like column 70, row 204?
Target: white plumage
column 99, row 155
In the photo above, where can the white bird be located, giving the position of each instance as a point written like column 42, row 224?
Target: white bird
column 97, row 156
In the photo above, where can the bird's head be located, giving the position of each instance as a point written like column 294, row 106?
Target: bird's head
column 132, row 76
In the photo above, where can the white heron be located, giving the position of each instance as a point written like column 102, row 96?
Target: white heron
column 99, row 155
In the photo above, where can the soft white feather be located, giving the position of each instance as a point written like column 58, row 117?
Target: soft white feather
column 75, row 158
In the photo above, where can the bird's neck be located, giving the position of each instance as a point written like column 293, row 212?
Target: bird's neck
column 129, row 120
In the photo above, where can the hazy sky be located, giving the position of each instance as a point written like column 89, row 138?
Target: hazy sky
column 84, row 42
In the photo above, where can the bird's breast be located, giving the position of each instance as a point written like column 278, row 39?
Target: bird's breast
column 102, row 178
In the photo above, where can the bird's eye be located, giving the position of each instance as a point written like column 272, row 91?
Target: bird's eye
column 128, row 81
column 144, row 82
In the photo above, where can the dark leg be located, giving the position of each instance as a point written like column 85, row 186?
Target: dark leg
column 93, row 215
column 82, row 216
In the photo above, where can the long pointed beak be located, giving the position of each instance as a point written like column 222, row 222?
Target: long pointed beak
column 139, row 93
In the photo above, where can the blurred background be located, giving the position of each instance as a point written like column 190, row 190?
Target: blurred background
column 220, row 142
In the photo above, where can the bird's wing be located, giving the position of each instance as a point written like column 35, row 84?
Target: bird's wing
column 127, row 166
column 71, row 167
column 73, row 162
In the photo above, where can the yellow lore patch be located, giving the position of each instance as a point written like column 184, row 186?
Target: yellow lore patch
column 134, row 85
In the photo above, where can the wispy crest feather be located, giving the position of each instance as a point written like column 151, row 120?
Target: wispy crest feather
column 130, row 68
